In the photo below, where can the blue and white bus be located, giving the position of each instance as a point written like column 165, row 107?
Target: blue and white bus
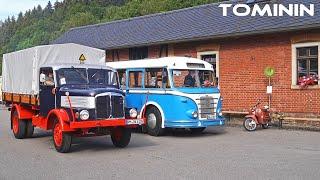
column 171, row 92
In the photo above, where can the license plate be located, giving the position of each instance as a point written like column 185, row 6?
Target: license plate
column 210, row 116
column 134, row 121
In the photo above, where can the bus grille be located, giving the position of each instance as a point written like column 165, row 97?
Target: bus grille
column 207, row 107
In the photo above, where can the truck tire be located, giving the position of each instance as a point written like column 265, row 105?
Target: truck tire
column 154, row 122
column 29, row 128
column 197, row 130
column 121, row 136
column 18, row 126
column 62, row 141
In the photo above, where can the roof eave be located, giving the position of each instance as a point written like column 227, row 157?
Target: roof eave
column 221, row 36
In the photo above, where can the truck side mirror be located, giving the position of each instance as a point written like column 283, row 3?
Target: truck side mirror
column 42, row 78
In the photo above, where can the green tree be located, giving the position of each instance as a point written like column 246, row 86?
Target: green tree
column 41, row 25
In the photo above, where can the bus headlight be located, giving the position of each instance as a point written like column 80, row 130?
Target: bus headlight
column 84, row 115
column 195, row 114
column 133, row 113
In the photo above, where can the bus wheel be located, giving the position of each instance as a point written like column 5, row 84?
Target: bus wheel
column 121, row 136
column 18, row 126
column 62, row 141
column 197, row 130
column 154, row 121
column 29, row 128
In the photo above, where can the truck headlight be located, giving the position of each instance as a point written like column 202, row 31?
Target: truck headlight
column 133, row 113
column 84, row 115
column 195, row 114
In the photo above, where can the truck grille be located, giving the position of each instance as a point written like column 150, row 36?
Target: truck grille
column 107, row 107
column 103, row 107
column 207, row 107
column 117, row 106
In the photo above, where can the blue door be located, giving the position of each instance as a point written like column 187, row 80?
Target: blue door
column 134, row 88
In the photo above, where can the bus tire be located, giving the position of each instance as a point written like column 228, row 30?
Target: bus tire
column 154, row 122
column 121, row 136
column 18, row 126
column 29, row 129
column 62, row 141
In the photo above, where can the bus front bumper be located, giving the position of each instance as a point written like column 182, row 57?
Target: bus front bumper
column 195, row 123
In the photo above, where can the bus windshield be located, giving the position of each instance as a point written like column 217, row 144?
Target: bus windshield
column 193, row 78
column 84, row 76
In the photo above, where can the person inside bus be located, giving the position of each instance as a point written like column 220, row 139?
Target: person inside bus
column 189, row 80
column 164, row 79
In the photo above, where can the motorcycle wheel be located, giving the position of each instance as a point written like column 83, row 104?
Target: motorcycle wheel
column 249, row 124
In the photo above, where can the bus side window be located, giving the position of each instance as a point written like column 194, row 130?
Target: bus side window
column 135, row 79
column 122, row 78
column 156, row 78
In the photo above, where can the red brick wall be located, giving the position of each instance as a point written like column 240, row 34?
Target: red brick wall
column 242, row 62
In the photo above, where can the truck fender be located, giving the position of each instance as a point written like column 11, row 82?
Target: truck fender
column 252, row 117
column 23, row 112
column 62, row 116
column 143, row 110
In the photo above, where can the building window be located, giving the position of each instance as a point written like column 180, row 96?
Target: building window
column 138, row 53
column 164, row 50
column 307, row 60
column 305, row 63
column 211, row 57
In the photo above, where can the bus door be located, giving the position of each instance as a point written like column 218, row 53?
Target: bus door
column 135, row 90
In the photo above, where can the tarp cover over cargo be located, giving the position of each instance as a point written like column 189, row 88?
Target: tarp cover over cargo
column 20, row 70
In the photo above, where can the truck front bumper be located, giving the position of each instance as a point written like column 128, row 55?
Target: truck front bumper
column 106, row 123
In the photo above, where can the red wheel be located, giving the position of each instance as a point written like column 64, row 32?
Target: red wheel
column 18, row 126
column 15, row 124
column 62, row 141
column 57, row 134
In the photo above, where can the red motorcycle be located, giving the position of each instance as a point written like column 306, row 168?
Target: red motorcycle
column 257, row 116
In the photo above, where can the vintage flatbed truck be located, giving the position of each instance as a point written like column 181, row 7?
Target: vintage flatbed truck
column 48, row 87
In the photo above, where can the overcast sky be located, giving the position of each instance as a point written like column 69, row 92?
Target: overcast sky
column 13, row 7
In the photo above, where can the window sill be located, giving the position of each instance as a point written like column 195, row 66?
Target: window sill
column 296, row 87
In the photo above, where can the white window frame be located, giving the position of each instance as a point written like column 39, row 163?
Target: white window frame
column 294, row 79
column 199, row 54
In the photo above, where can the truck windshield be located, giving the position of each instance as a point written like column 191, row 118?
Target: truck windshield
column 193, row 78
column 84, row 76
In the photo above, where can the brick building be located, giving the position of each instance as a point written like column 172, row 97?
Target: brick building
column 240, row 48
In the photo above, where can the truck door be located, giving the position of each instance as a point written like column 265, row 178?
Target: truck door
column 135, row 88
column 46, row 86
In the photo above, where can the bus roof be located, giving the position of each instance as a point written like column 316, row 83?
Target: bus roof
column 169, row 62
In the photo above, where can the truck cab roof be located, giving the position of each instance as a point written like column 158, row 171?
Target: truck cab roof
column 73, row 65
